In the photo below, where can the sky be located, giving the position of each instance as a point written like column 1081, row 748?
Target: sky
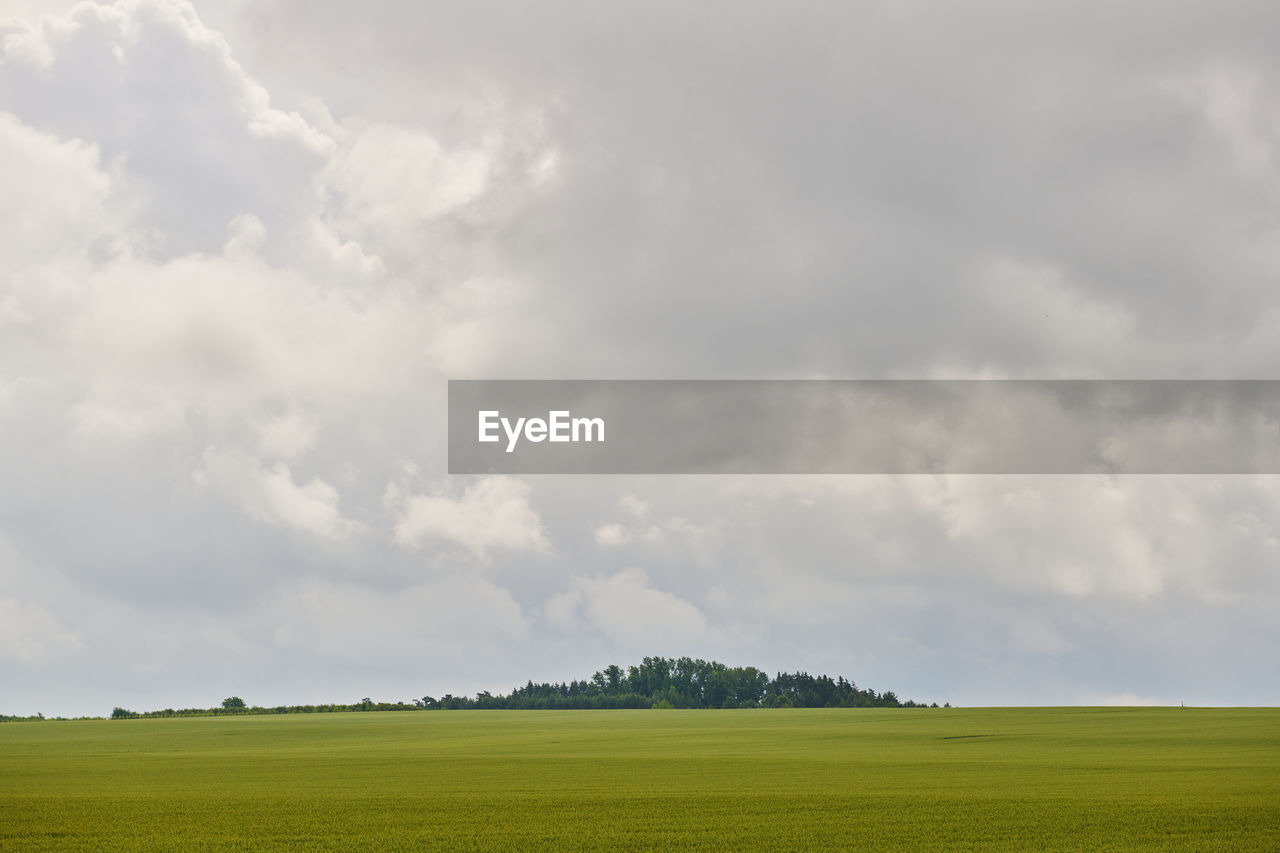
column 244, row 245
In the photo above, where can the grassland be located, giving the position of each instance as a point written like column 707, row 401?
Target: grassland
column 1015, row 779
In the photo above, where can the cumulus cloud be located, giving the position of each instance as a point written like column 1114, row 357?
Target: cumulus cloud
column 396, row 179
column 124, row 75
column 493, row 512
column 236, row 276
column 270, row 494
column 628, row 609
column 59, row 200
column 286, row 436
column 634, row 506
column 611, row 535
column 637, row 531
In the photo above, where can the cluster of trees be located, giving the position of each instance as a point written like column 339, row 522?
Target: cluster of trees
column 237, row 707
column 657, row 682
column 660, row 682
column 35, row 718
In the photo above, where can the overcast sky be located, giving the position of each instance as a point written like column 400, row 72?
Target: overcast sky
column 244, row 244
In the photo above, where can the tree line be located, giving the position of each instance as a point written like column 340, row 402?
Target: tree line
column 656, row 682
column 234, row 706
column 659, row 682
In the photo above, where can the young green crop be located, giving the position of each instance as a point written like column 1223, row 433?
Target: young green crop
column 1004, row 779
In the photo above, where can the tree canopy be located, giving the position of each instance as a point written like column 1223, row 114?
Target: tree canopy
column 680, row 683
column 656, row 682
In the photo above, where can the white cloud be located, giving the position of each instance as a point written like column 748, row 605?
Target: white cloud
column 396, row 179
column 198, row 280
column 137, row 67
column 133, row 414
column 58, row 201
column 493, row 512
column 287, row 436
column 1082, row 536
column 634, row 506
column 676, row 532
column 270, row 494
column 613, row 535
column 626, row 608
column 226, row 335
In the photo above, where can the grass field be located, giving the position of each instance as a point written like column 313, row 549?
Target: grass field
column 1016, row 779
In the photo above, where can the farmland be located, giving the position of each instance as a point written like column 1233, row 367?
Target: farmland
column 1060, row 778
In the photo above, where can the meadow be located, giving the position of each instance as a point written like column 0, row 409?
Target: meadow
column 799, row 779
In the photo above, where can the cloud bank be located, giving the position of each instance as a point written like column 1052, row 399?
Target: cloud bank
column 247, row 243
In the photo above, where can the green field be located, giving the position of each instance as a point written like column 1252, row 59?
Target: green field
column 1016, row 779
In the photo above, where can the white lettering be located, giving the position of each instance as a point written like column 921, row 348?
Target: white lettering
column 558, row 427
column 486, row 424
column 559, row 421
column 587, row 424
column 513, row 435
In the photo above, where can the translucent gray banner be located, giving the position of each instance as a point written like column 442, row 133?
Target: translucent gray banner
column 864, row 426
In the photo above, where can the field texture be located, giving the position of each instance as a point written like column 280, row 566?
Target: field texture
column 1009, row 779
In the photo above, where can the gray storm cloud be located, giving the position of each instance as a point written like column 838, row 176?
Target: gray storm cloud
column 247, row 243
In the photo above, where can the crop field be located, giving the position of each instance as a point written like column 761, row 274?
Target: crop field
column 1015, row 779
